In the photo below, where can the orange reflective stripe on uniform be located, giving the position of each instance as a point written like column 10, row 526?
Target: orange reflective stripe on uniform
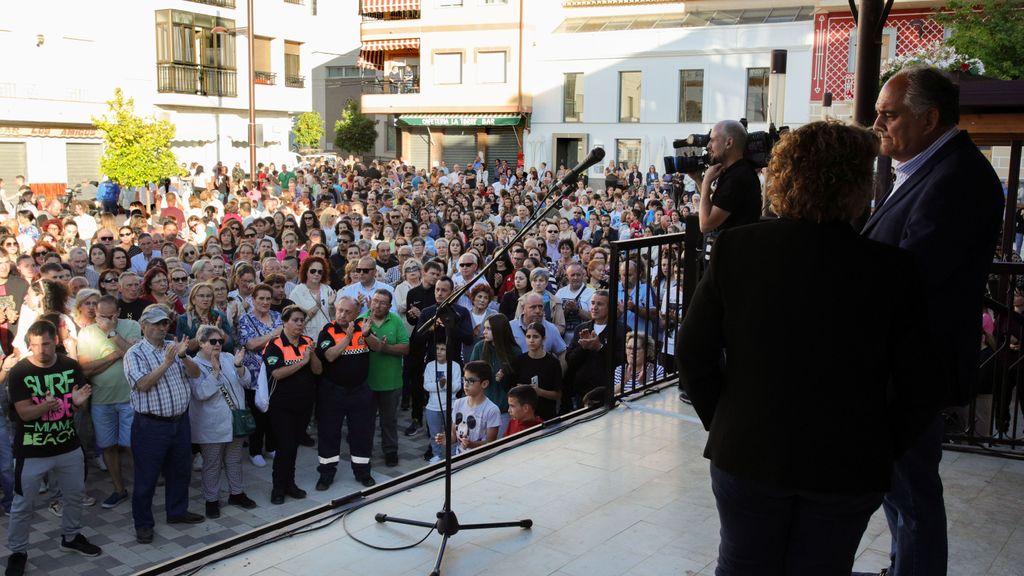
column 288, row 354
column 357, row 343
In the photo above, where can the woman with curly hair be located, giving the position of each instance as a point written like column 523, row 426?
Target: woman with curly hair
column 794, row 315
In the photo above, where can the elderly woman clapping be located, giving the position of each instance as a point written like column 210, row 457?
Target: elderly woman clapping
column 218, row 390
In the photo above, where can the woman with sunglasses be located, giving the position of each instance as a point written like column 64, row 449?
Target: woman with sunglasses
column 40, row 250
column 188, row 254
column 314, row 296
column 11, row 247
column 108, row 283
column 219, row 389
column 156, row 289
column 307, row 223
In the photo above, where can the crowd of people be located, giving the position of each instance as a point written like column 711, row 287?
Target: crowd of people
column 215, row 319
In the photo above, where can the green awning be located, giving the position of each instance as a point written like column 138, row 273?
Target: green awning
column 461, row 119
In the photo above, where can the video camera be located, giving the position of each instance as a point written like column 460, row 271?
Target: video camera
column 758, row 150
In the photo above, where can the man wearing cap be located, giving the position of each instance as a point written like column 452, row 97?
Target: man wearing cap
column 161, row 437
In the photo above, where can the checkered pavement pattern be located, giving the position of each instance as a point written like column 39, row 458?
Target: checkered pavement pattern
column 113, row 531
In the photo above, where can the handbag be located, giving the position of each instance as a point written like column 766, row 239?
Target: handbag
column 243, row 423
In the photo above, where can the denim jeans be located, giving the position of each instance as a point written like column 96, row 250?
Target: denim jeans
column 160, row 447
column 915, row 509
column 6, row 465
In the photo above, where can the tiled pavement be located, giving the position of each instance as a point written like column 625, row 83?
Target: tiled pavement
column 113, row 531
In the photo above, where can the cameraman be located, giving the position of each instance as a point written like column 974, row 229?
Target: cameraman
column 736, row 199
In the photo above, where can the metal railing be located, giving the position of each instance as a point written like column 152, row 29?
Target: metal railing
column 295, row 81
column 650, row 282
column 394, row 15
column 385, row 86
column 265, row 78
column 993, row 421
column 200, row 80
column 301, row 2
column 221, row 3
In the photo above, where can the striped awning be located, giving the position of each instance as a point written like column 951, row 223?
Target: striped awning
column 387, row 6
column 371, row 55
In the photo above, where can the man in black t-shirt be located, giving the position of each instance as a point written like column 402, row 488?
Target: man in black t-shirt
column 730, row 191
column 418, row 299
column 128, row 304
column 46, row 389
column 344, row 394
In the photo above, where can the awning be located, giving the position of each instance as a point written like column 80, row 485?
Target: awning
column 371, row 55
column 387, row 6
column 509, row 119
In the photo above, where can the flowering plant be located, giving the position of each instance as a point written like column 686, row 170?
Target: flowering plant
column 940, row 56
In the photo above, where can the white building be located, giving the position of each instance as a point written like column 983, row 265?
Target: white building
column 183, row 61
column 631, row 77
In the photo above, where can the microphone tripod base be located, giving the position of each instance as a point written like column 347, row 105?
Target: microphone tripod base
column 447, row 525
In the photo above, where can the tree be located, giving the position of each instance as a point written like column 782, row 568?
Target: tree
column 994, row 35
column 355, row 132
column 308, row 130
column 138, row 150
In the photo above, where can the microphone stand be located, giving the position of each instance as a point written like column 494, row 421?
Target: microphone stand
column 447, row 524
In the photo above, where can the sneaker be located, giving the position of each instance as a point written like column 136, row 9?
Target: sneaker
column 391, row 459
column 413, row 428
column 684, row 397
column 435, row 460
column 114, row 499
column 144, row 535
column 16, row 564
column 88, row 501
column 100, row 463
column 242, row 501
column 197, row 462
column 81, row 545
column 57, row 508
column 258, row 461
column 277, row 496
column 213, row 510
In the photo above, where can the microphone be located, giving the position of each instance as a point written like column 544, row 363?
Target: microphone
column 595, row 156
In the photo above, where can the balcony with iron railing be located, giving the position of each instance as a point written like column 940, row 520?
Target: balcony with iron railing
column 221, row 3
column 381, row 85
column 292, row 81
column 195, row 79
column 265, row 78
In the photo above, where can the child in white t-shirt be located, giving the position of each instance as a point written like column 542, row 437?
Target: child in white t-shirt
column 475, row 419
column 434, row 382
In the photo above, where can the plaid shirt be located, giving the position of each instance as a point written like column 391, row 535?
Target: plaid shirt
column 170, row 396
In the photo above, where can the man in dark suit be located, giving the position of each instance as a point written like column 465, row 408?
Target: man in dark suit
column 822, row 383
column 585, row 358
column 944, row 207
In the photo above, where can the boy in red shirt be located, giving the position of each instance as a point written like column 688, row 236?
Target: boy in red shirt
column 522, row 407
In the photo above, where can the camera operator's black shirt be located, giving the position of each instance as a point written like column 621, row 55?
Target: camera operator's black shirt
column 739, row 193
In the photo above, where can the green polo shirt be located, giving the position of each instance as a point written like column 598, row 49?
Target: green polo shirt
column 386, row 369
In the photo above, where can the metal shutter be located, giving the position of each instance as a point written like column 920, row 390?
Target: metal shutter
column 83, row 162
column 459, row 146
column 501, row 145
column 419, row 148
column 12, row 163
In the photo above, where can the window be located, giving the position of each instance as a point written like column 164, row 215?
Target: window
column 493, row 2
column 629, row 96
column 349, row 72
column 572, row 99
column 195, row 54
column 449, row 3
column 691, row 95
column 448, row 68
column 627, row 151
column 293, row 65
column 490, row 67
column 888, row 48
column 261, row 61
column 757, row 94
